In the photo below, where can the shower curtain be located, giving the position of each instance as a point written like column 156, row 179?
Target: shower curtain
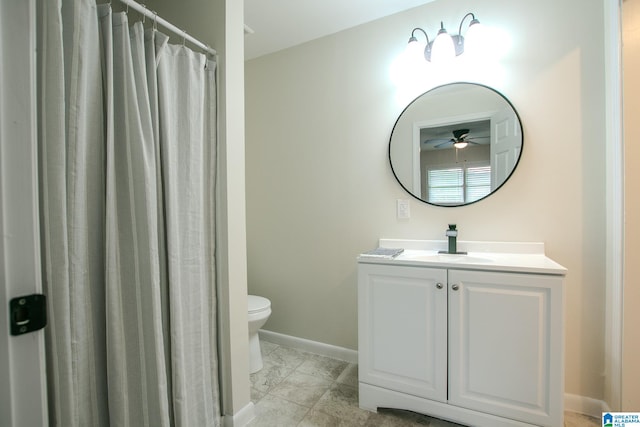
column 127, row 160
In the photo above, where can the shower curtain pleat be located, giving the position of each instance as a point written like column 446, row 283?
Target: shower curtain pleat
column 135, row 342
column 73, row 233
column 154, row 43
column 128, row 183
column 187, row 169
column 210, row 354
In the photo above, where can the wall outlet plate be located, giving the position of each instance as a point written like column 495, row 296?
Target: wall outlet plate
column 403, row 209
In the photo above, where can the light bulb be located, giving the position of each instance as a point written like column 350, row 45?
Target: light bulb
column 460, row 144
column 443, row 49
column 475, row 40
column 414, row 52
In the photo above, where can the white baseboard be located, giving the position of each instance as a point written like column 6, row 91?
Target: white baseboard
column 585, row 405
column 572, row 402
column 322, row 349
column 241, row 418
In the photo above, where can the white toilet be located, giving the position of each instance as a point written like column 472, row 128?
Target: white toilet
column 259, row 312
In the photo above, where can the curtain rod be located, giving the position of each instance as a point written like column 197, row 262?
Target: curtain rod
column 169, row 26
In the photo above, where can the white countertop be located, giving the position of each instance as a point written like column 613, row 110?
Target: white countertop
column 522, row 257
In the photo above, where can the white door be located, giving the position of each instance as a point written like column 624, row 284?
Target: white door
column 23, row 399
column 506, row 345
column 402, row 329
column 506, row 144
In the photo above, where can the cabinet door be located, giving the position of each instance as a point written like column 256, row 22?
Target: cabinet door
column 402, row 327
column 506, row 345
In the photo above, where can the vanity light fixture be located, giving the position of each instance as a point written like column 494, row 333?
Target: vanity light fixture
column 445, row 47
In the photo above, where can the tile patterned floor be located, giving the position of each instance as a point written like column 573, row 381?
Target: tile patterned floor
column 296, row 388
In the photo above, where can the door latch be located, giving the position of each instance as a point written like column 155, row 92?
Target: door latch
column 27, row 313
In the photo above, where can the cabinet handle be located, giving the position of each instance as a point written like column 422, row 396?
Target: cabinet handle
column 439, row 285
column 455, row 287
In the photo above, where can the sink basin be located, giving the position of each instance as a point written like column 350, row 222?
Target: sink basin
column 455, row 258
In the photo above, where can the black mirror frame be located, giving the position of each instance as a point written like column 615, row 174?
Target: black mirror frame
column 515, row 166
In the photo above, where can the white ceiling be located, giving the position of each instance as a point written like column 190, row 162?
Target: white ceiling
column 279, row 24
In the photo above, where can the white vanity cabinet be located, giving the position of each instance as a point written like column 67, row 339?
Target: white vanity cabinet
column 403, row 329
column 479, row 347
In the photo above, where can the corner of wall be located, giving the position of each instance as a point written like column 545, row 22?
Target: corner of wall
column 585, row 405
column 231, row 236
column 241, row 418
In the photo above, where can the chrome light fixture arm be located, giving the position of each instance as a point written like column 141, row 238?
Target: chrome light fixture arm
column 458, row 39
column 413, row 37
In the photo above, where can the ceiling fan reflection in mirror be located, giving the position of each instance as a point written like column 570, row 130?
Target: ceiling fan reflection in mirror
column 461, row 139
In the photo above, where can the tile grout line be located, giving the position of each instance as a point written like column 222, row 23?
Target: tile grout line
column 332, row 383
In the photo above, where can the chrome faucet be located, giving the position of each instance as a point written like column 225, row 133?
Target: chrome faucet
column 452, row 236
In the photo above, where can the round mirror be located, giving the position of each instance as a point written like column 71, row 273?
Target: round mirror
column 455, row 144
